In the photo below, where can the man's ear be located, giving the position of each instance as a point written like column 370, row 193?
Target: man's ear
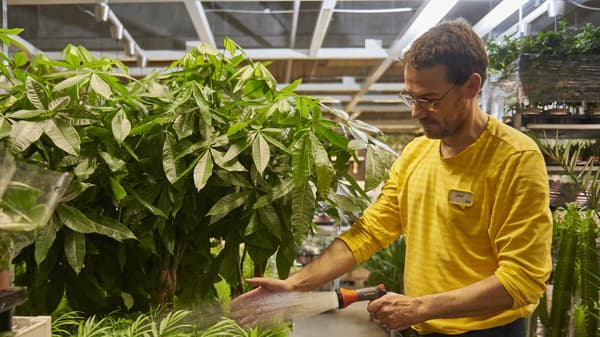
column 473, row 85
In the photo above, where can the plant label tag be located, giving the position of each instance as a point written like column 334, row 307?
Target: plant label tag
column 460, row 198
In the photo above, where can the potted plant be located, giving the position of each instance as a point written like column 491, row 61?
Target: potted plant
column 179, row 177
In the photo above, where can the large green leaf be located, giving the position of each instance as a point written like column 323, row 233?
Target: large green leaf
column 203, row 171
column 5, row 127
column 25, row 133
column 115, row 164
column 281, row 189
column 302, row 160
column 233, row 165
column 36, row 93
column 75, row 249
column 121, row 126
column 253, row 225
column 181, row 97
column 323, row 167
column 85, row 168
column 100, row 87
column 26, row 114
column 118, row 189
column 235, row 149
column 63, row 135
column 268, row 216
column 374, row 169
column 228, row 203
column 59, row 103
column 303, row 210
column 184, row 124
column 173, row 168
column 7, row 102
column 79, row 222
column 153, row 209
column 260, row 153
column 72, row 81
column 44, row 240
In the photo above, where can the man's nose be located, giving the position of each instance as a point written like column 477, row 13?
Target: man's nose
column 417, row 111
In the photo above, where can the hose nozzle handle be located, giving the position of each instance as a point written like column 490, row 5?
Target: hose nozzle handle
column 349, row 296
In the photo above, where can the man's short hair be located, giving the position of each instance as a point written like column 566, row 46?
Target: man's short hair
column 453, row 44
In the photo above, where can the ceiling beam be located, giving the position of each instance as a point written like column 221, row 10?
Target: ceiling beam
column 292, row 44
column 528, row 19
column 428, row 15
column 348, row 86
column 498, row 14
column 321, row 27
column 302, row 54
column 73, row 2
column 198, row 16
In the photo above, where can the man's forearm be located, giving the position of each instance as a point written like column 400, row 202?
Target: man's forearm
column 335, row 260
column 487, row 296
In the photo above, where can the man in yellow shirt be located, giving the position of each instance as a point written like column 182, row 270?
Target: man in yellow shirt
column 470, row 198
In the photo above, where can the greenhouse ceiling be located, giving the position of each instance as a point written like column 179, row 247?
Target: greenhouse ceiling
column 346, row 52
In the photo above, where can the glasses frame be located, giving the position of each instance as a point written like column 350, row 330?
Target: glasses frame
column 430, row 105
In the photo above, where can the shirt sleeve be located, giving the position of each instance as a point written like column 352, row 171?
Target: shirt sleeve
column 380, row 223
column 521, row 227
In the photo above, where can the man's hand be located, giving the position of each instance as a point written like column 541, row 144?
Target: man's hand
column 395, row 311
column 250, row 308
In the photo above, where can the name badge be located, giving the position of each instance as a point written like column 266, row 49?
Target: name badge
column 461, row 198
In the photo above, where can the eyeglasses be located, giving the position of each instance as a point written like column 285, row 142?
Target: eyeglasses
column 430, row 105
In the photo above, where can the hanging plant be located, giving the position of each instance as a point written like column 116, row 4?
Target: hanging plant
column 565, row 41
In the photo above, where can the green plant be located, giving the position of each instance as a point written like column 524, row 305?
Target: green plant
column 576, row 275
column 387, row 267
column 173, row 173
column 564, row 41
column 228, row 327
column 156, row 324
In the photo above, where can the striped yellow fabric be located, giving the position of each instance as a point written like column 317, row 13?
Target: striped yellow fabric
column 484, row 211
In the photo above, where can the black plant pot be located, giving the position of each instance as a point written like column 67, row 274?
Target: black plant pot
column 9, row 299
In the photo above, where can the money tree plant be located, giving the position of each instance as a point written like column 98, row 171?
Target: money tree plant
column 179, row 177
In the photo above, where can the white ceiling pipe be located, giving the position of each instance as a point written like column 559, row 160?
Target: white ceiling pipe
column 200, row 21
column 321, row 27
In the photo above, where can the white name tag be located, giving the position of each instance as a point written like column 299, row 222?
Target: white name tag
column 461, row 198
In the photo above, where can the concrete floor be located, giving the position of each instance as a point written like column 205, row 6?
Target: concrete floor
column 352, row 321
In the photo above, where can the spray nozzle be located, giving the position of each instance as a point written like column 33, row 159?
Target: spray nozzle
column 349, row 296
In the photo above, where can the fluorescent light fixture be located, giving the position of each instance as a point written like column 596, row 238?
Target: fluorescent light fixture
column 498, row 14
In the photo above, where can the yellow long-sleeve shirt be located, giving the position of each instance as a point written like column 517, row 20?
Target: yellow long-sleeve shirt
column 482, row 212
